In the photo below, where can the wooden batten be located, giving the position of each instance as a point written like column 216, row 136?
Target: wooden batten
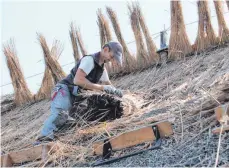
column 134, row 137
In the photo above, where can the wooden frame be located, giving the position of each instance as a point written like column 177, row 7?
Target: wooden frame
column 218, row 129
column 134, row 137
column 29, row 154
column 222, row 113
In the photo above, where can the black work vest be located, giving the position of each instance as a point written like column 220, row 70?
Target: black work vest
column 94, row 76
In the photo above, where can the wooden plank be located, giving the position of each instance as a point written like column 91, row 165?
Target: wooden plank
column 6, row 161
column 222, row 113
column 45, row 153
column 31, row 154
column 218, row 129
column 134, row 137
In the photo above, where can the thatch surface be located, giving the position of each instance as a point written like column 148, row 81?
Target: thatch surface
column 154, row 57
column 80, row 42
column 48, row 82
column 172, row 96
column 223, row 28
column 143, row 59
column 22, row 94
column 52, row 63
column 129, row 62
column 7, row 103
column 75, row 48
column 206, row 36
column 179, row 44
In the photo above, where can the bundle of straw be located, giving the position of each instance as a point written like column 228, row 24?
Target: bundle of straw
column 179, row 44
column 96, row 107
column 223, row 29
column 111, row 66
column 107, row 29
column 206, row 35
column 46, row 87
column 48, row 82
column 142, row 55
column 80, row 41
column 22, row 94
column 52, row 63
column 149, row 41
column 129, row 62
column 100, row 24
column 72, row 34
column 104, row 35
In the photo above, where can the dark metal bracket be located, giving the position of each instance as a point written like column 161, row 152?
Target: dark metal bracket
column 107, row 149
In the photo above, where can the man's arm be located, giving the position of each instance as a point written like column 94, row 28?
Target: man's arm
column 81, row 80
column 105, row 78
column 107, row 82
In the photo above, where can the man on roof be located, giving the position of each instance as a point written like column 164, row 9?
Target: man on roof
column 88, row 72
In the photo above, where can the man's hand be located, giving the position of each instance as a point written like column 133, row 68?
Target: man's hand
column 112, row 90
column 109, row 89
column 118, row 92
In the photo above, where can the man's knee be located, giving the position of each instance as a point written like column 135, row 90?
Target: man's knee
column 60, row 119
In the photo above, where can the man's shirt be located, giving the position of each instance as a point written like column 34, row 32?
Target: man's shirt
column 87, row 64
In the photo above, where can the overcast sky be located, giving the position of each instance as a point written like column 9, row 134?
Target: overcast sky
column 22, row 19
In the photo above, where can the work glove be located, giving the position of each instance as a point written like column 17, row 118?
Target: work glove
column 118, row 92
column 109, row 89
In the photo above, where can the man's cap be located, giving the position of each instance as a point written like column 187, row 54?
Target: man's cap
column 117, row 49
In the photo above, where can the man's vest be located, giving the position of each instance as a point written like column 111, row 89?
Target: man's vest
column 94, row 76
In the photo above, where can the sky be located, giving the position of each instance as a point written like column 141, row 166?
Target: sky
column 22, row 20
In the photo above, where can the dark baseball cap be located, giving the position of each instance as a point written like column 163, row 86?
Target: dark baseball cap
column 117, row 49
